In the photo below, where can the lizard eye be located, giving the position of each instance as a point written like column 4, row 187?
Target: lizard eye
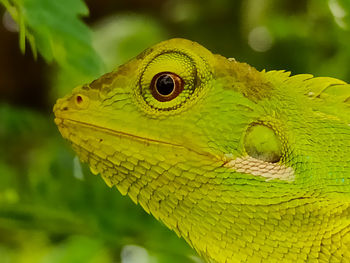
column 168, row 81
column 166, row 86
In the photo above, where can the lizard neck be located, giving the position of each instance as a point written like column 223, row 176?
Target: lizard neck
column 223, row 228
column 227, row 232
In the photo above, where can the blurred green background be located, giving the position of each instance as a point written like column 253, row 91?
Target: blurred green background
column 52, row 209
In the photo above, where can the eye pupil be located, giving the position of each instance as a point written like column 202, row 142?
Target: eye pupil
column 165, row 85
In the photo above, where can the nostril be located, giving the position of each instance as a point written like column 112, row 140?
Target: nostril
column 79, row 99
column 65, row 108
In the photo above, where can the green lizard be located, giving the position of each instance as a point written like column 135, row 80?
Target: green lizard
column 246, row 166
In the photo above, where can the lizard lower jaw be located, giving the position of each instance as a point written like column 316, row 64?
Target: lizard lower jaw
column 64, row 123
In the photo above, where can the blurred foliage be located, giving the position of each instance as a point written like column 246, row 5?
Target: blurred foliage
column 54, row 210
column 55, row 30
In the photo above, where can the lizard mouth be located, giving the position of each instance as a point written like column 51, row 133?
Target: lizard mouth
column 64, row 123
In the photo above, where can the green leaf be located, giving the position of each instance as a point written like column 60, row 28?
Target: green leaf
column 55, row 29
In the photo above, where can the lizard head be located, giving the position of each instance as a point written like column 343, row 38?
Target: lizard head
column 212, row 147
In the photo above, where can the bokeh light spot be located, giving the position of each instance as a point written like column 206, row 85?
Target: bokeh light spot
column 260, row 39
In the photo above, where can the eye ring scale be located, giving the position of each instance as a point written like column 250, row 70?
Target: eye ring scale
column 166, row 86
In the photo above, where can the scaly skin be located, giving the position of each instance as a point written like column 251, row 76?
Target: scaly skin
column 246, row 166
